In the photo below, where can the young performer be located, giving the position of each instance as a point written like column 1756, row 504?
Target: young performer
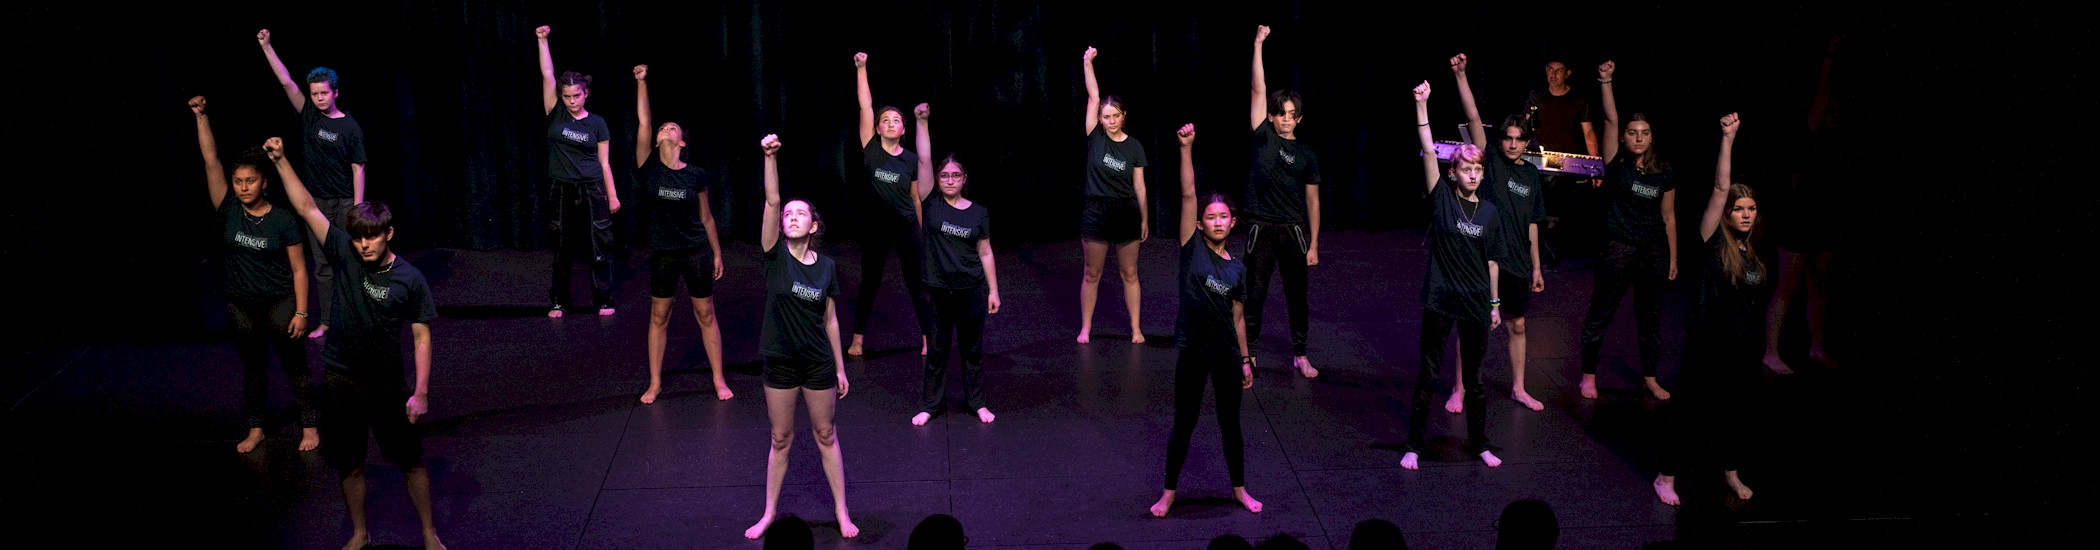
column 1641, row 252
column 1805, row 254
column 1461, row 287
column 1724, row 338
column 1209, row 330
column 334, row 157
column 1115, row 212
column 800, row 340
column 961, row 280
column 1282, row 210
column 892, row 172
column 1512, row 185
column 681, row 237
column 580, row 166
column 266, row 292
column 364, row 390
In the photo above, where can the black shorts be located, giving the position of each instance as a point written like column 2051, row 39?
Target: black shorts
column 783, row 374
column 1113, row 221
column 353, row 410
column 1515, row 293
column 695, row 265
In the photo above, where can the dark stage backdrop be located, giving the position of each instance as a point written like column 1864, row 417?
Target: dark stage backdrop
column 114, row 241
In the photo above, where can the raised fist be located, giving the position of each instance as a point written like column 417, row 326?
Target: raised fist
column 263, row 37
column 542, row 32
column 275, row 148
column 1458, row 63
column 770, row 144
column 920, row 111
column 1187, row 134
column 197, row 105
column 641, row 72
column 1422, row 92
column 860, row 60
column 1604, row 71
column 1090, row 54
column 1729, row 123
column 1261, row 32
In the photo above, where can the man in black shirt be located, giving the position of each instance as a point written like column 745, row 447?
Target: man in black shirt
column 334, row 157
column 1512, row 185
column 364, row 391
column 1561, row 122
column 1283, row 210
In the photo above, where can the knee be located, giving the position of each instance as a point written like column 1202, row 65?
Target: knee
column 659, row 317
column 704, row 311
column 827, row 436
column 351, row 474
column 1516, row 326
column 783, row 440
column 1129, row 273
column 1091, row 274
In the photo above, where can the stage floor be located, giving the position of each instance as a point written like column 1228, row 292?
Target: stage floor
column 536, row 440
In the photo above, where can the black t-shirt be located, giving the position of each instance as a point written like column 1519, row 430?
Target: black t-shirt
column 332, row 145
column 1111, row 166
column 372, row 303
column 1560, row 121
column 257, row 267
column 572, row 145
column 674, row 205
column 795, row 294
column 1209, row 285
column 951, row 237
column 1514, row 189
column 1726, row 324
column 1633, row 209
column 1461, row 240
column 891, row 175
column 1276, row 183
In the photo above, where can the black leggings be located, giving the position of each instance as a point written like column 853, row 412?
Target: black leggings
column 1472, row 344
column 1271, row 245
column 958, row 314
column 583, row 229
column 258, row 328
column 1191, row 371
column 881, row 235
column 1647, row 270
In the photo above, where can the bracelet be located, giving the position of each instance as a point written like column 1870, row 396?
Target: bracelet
column 299, row 313
column 1494, row 301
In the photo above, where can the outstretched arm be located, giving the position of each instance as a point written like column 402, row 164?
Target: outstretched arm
column 549, row 97
column 214, row 172
column 769, row 227
column 1093, row 91
column 867, row 98
column 1422, row 130
column 302, row 202
column 643, row 140
column 1189, row 212
column 1611, row 111
column 1717, row 205
column 284, row 77
column 923, row 186
column 1261, row 80
column 1465, row 97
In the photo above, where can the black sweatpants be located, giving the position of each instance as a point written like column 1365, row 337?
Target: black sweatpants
column 259, row 328
column 1472, row 345
column 583, row 230
column 1271, row 246
column 1647, row 270
column 880, row 236
column 958, row 316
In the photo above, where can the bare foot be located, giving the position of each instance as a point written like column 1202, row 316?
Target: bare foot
column 1773, row 362
column 1589, row 386
column 984, row 415
column 1741, row 491
column 1666, row 489
column 358, row 540
column 1137, row 337
column 1411, row 461
column 722, row 392
column 1166, row 501
column 758, row 529
column 554, row 313
column 605, row 312
column 255, row 437
column 318, row 332
column 1522, row 397
column 1457, row 403
column 854, row 349
column 1305, row 367
column 1820, row 356
column 1657, row 389
column 1083, row 332
column 1490, row 458
column 846, row 527
column 309, row 439
column 920, row 419
column 650, row 395
column 1246, row 500
column 431, row 542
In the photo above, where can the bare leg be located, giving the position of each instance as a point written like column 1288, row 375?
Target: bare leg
column 354, row 501
column 1518, row 350
column 1247, row 501
column 1791, row 271
column 1666, row 489
column 255, row 437
column 418, row 479
column 1090, row 285
column 1166, row 502
column 1126, row 264
column 1457, row 403
column 1741, row 491
column 1818, row 309
column 659, row 325
column 780, row 408
column 711, row 338
column 823, row 404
